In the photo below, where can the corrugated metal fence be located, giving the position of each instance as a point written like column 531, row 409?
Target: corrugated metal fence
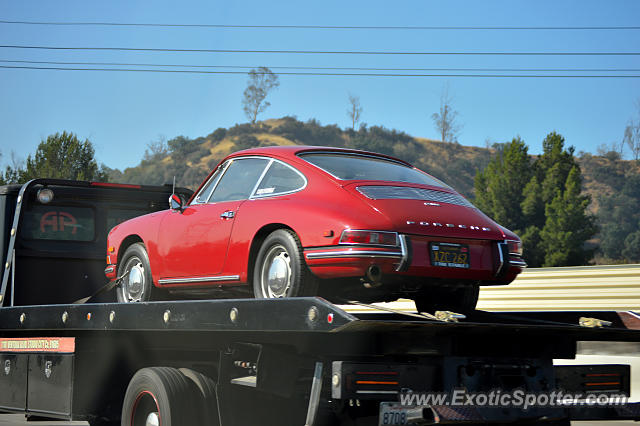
column 581, row 288
column 578, row 288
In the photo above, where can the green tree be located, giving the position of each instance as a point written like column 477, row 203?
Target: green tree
column 568, row 225
column 261, row 82
column 533, row 210
column 499, row 186
column 619, row 218
column 545, row 195
column 542, row 202
column 64, row 156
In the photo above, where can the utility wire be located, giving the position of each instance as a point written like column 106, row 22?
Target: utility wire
column 247, row 67
column 324, row 27
column 327, row 52
column 323, row 73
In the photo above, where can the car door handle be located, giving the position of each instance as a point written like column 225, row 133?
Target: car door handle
column 228, row 214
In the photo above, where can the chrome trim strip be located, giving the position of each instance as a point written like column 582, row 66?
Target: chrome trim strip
column 501, row 259
column 198, row 279
column 254, row 196
column 264, row 172
column 222, row 168
column 352, row 253
column 520, row 263
column 405, row 253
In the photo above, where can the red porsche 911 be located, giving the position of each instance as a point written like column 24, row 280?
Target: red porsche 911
column 302, row 221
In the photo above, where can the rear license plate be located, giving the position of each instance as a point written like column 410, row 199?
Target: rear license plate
column 450, row 255
column 392, row 413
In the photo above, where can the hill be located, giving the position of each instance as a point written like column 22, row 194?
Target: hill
column 607, row 179
column 190, row 160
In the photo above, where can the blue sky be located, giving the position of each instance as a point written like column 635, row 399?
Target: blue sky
column 122, row 112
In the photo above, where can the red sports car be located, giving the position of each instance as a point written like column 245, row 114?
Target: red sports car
column 300, row 220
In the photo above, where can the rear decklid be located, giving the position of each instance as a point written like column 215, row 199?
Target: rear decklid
column 426, row 210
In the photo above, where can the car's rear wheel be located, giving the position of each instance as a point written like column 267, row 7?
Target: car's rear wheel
column 460, row 299
column 280, row 269
column 134, row 268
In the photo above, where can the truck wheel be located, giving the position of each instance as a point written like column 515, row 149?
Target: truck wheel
column 209, row 400
column 462, row 300
column 160, row 396
column 280, row 269
column 137, row 284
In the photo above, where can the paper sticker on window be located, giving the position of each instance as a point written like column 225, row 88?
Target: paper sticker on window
column 263, row 191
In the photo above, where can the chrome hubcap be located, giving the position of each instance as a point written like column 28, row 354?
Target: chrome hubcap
column 152, row 420
column 276, row 273
column 134, row 285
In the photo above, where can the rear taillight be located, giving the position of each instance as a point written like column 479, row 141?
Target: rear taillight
column 382, row 238
column 515, row 247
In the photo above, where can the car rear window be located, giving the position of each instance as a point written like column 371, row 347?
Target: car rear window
column 62, row 223
column 362, row 167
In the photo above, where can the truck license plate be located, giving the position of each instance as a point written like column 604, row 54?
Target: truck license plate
column 392, row 413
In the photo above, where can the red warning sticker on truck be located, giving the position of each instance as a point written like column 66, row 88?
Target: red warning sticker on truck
column 38, row 344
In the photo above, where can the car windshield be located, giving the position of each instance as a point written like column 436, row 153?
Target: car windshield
column 359, row 167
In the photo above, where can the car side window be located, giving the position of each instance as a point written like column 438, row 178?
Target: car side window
column 239, row 179
column 205, row 192
column 279, row 179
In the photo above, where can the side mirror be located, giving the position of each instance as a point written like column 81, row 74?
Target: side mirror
column 176, row 202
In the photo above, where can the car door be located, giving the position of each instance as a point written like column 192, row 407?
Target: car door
column 193, row 243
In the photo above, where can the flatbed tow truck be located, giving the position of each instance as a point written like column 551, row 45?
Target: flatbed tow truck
column 300, row 361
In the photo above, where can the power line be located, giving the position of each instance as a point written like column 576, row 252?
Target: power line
column 247, row 67
column 324, row 52
column 323, row 74
column 324, row 27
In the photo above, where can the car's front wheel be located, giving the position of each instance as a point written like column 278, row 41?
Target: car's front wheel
column 136, row 284
column 280, row 269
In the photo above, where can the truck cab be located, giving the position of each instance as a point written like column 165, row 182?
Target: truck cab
column 58, row 255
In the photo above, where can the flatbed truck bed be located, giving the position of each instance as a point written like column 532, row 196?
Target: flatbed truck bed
column 292, row 361
column 302, row 361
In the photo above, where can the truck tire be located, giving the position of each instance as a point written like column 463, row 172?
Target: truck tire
column 209, row 400
column 280, row 269
column 161, row 395
column 137, row 284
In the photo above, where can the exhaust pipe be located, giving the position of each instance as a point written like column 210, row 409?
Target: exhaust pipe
column 374, row 277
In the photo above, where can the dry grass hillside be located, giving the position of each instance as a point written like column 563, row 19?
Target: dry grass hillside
column 190, row 160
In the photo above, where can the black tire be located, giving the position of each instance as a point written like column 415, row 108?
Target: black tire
column 281, row 254
column 208, row 399
column 137, row 284
column 460, row 299
column 163, row 392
